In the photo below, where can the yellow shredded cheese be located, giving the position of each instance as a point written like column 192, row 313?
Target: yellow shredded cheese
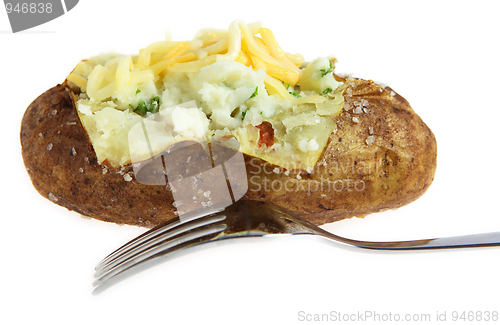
column 238, row 78
column 239, row 43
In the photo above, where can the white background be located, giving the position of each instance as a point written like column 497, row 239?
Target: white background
column 441, row 56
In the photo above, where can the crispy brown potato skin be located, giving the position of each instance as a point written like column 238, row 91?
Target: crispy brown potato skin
column 354, row 177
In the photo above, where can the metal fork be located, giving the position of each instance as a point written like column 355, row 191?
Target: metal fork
column 247, row 219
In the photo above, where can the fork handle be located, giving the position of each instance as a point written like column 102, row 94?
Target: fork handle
column 476, row 240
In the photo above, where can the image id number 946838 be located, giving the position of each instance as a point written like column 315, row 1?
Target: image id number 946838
column 475, row 316
column 26, row 7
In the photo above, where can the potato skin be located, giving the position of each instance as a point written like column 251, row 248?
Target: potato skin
column 354, row 177
column 383, row 160
column 68, row 174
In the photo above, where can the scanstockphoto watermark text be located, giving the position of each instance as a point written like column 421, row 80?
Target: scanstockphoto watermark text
column 258, row 184
column 463, row 316
column 335, row 176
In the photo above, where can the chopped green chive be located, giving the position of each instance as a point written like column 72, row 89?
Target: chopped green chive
column 255, row 93
column 293, row 93
column 324, row 72
column 326, row 91
column 142, row 108
column 155, row 104
column 286, row 87
column 137, row 91
column 244, row 113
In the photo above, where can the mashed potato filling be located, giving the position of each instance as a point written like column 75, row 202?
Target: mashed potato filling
column 231, row 84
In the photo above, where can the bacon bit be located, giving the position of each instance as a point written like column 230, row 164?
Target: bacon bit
column 266, row 133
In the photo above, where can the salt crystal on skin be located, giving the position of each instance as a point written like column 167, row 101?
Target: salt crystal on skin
column 73, row 152
column 370, row 129
column 53, row 198
column 370, row 140
column 357, row 110
column 50, row 146
column 276, row 170
column 54, row 112
column 355, row 120
column 127, row 177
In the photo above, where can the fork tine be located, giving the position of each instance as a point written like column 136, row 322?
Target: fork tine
column 201, row 237
column 137, row 241
column 152, row 233
column 159, row 235
column 198, row 232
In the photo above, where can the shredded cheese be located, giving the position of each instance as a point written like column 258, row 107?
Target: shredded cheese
column 237, row 79
column 239, row 43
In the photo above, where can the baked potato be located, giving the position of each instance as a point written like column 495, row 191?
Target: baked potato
column 372, row 153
